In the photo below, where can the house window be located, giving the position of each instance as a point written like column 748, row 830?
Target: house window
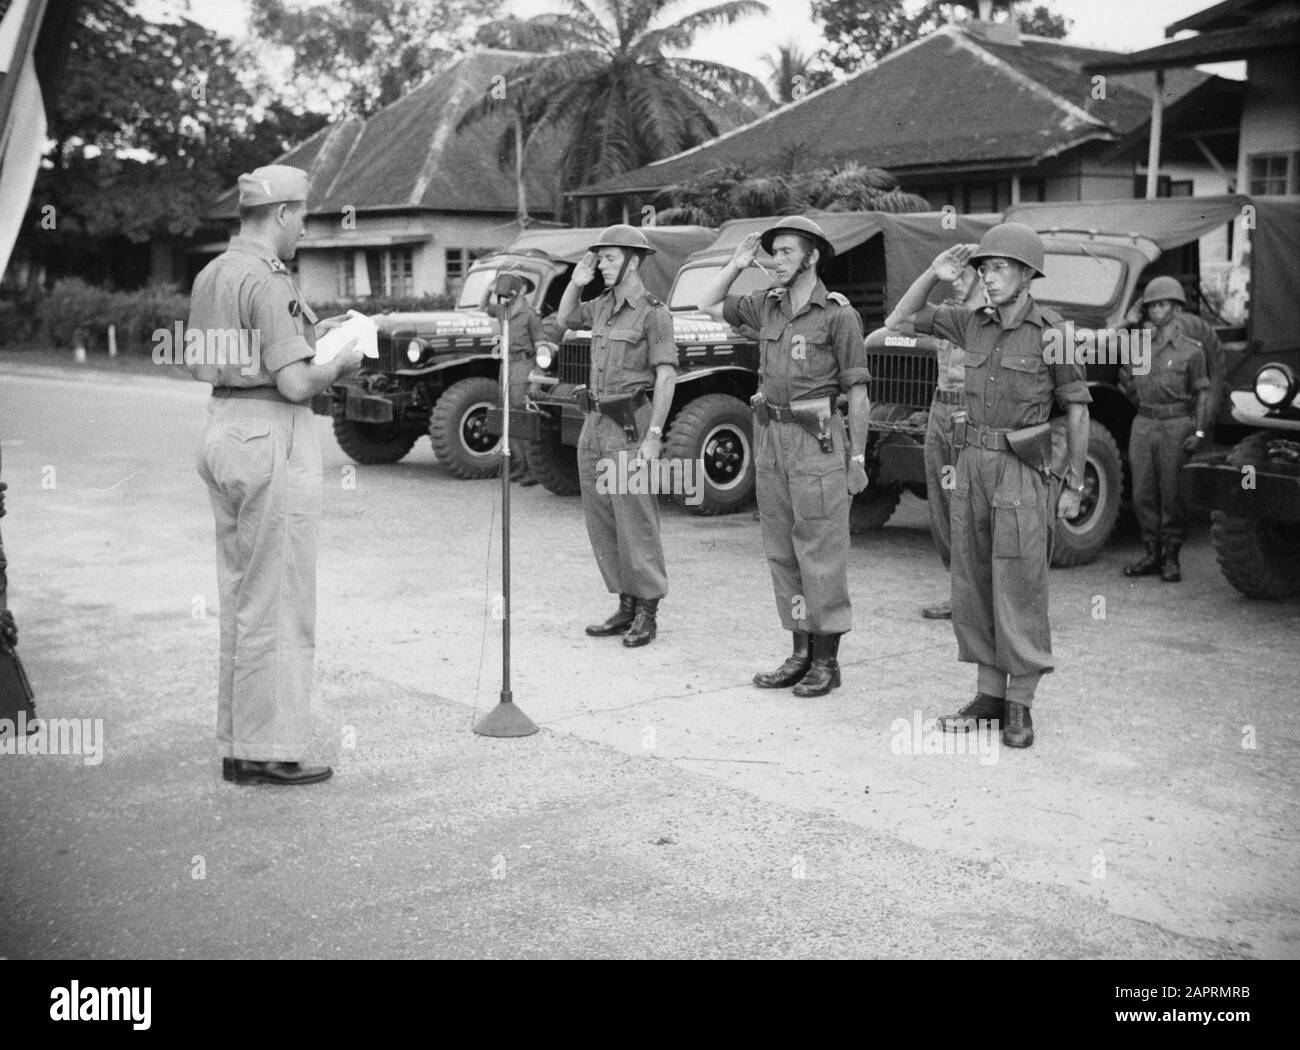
column 1165, row 186
column 376, row 271
column 1269, row 174
column 458, row 262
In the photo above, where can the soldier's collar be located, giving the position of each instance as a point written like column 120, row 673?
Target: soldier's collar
column 623, row 295
column 1021, row 311
column 251, row 245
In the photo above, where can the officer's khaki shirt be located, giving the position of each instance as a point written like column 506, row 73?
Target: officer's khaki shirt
column 630, row 338
column 525, row 326
column 950, row 357
column 246, row 292
column 1177, row 374
column 1009, row 383
column 819, row 350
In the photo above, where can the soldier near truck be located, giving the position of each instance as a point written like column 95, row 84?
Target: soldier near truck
column 811, row 348
column 1006, row 489
column 632, row 352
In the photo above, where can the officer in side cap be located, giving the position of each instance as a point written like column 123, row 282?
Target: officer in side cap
column 252, row 337
column 811, row 348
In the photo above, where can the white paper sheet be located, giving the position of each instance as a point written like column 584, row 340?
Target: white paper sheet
column 357, row 326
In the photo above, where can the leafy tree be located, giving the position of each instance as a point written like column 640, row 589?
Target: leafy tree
column 734, row 192
column 861, row 31
column 609, row 86
column 794, row 72
column 357, row 56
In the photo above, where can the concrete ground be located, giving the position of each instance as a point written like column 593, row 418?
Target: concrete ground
column 667, row 808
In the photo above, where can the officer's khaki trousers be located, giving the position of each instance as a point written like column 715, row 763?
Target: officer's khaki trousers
column 623, row 526
column 1001, row 529
column 518, row 393
column 803, row 503
column 1155, row 455
column 262, row 465
column 938, row 496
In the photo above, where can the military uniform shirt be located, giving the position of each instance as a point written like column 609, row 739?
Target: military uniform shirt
column 248, row 290
column 630, row 338
column 1009, row 383
column 1177, row 374
column 525, row 326
column 950, row 357
column 819, row 350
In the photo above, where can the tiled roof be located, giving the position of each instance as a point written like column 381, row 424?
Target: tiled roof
column 409, row 155
column 952, row 100
column 1221, row 45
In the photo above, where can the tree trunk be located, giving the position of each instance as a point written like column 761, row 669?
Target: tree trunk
column 522, row 208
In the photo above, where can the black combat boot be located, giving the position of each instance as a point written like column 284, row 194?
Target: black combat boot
column 824, row 674
column 619, row 622
column 984, row 706
column 1148, row 565
column 1018, row 731
column 1171, row 573
column 643, row 625
column 794, row 668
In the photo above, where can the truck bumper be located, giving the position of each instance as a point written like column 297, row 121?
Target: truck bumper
column 901, row 461
column 360, row 406
column 1270, row 491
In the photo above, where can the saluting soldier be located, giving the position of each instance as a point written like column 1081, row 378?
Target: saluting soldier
column 811, row 348
column 628, row 395
column 261, row 460
column 512, row 287
column 1002, row 505
column 1175, row 400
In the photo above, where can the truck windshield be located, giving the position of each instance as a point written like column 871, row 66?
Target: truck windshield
column 476, row 283
column 1081, row 280
column 691, row 281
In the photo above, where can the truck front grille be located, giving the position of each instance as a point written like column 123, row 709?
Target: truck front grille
column 574, row 363
column 903, row 375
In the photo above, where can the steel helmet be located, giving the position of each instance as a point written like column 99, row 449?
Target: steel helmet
column 623, row 236
column 1164, row 288
column 802, row 226
column 510, row 274
column 1011, row 240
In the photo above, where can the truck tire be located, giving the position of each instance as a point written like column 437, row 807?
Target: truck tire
column 371, row 442
column 871, row 509
column 554, row 464
column 1258, row 556
column 458, row 428
column 717, row 430
column 1080, row 541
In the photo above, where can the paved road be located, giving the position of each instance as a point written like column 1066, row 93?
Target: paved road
column 667, row 808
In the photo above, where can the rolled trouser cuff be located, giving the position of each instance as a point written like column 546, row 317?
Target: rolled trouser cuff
column 991, row 682
column 1020, row 688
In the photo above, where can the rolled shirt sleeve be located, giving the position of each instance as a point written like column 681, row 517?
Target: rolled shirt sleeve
column 947, row 322
column 661, row 347
column 280, row 332
column 1198, row 377
column 1069, row 379
column 582, row 315
column 738, row 310
column 850, row 348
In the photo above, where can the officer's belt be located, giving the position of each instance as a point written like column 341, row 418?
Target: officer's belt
column 616, row 405
column 785, row 414
column 256, row 393
column 950, row 397
column 1164, row 411
column 992, row 438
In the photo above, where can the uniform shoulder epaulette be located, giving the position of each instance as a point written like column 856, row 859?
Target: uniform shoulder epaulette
column 839, row 298
column 652, row 300
column 777, row 292
column 276, row 265
column 1050, row 314
column 1195, row 342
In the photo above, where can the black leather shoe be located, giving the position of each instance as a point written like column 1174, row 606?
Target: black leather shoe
column 942, row 611
column 227, row 769
column 824, row 674
column 1171, row 572
column 644, row 625
column 527, row 481
column 249, row 772
column 619, row 622
column 984, row 706
column 1018, row 730
column 794, row 668
column 1148, row 565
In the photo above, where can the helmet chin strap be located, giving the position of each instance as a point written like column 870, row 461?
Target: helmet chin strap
column 627, row 258
column 803, row 265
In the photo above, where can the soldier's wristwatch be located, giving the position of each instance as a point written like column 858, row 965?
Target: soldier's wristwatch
column 656, row 432
column 860, row 458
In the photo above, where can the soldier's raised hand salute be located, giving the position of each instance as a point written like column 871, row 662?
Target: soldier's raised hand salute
column 947, row 266
column 585, row 272
column 746, row 251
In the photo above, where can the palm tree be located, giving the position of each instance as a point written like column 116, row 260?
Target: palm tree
column 607, row 81
column 794, row 72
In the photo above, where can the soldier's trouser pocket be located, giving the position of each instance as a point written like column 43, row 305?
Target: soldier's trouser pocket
column 818, row 482
column 1019, row 525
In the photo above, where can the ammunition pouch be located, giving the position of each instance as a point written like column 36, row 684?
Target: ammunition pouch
column 621, row 408
column 1033, row 446
column 759, row 404
column 814, row 415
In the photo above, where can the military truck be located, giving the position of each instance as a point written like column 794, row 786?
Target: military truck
column 1253, row 490
column 876, row 257
column 436, row 373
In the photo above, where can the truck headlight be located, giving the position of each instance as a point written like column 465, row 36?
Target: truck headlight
column 545, row 356
column 1274, row 385
column 414, row 350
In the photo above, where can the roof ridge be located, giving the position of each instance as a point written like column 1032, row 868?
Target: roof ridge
column 442, row 131
column 341, row 166
column 772, row 114
column 1036, row 86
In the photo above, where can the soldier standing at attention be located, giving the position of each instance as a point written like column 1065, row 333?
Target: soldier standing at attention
column 940, row 457
column 513, row 286
column 811, row 348
column 1002, row 505
column 261, row 460
column 1175, row 405
column 632, row 350
column 1194, row 327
